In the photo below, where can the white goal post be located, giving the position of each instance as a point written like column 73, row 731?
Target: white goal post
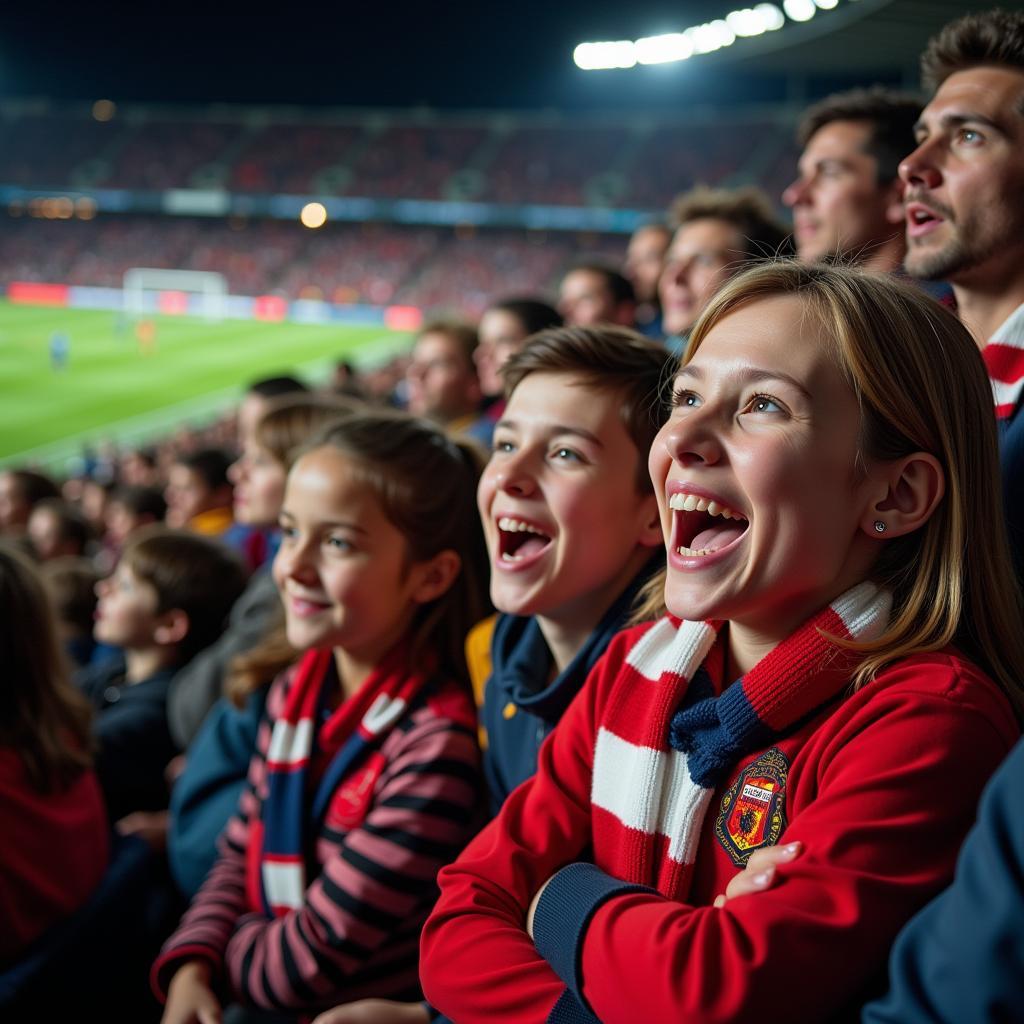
column 142, row 280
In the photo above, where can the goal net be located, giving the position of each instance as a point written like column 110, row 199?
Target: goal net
column 147, row 291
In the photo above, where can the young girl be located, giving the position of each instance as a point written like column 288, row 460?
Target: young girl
column 221, row 734
column 54, row 824
column 838, row 668
column 366, row 776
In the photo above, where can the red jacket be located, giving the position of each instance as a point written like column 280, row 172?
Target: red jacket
column 881, row 789
column 53, row 853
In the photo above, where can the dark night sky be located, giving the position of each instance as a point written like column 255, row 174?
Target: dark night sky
column 454, row 55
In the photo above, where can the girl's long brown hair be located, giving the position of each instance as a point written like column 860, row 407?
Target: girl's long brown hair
column 42, row 716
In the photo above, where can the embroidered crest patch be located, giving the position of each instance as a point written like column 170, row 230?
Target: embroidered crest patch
column 753, row 811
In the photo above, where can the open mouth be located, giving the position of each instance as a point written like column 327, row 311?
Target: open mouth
column 702, row 527
column 921, row 219
column 519, row 540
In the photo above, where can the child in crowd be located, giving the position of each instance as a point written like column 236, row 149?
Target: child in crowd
column 168, row 598
column 55, row 833
column 829, row 491
column 366, row 775
column 221, row 744
column 570, row 541
column 504, row 329
column 71, row 584
column 198, row 492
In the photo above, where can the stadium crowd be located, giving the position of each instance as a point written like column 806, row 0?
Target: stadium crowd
column 649, row 651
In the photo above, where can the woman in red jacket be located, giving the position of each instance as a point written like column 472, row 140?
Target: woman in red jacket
column 839, row 667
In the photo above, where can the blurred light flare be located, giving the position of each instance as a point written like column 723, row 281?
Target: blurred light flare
column 313, row 215
column 713, row 35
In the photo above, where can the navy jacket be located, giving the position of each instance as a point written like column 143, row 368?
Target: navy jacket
column 961, row 959
column 520, row 706
column 134, row 740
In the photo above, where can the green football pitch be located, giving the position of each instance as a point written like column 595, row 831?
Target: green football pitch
column 116, row 386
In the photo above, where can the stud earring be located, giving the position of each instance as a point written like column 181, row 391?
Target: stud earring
column 879, row 526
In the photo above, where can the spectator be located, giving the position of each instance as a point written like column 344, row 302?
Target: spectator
column 441, row 376
column 56, row 838
column 717, row 233
column 965, row 216
column 847, row 200
column 57, row 529
column 504, row 330
column 168, row 599
column 593, row 293
column 20, row 491
column 71, row 584
column 258, row 395
column 645, row 259
column 198, row 492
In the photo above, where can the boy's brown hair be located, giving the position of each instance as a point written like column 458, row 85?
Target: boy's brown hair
column 613, row 359
column 198, row 575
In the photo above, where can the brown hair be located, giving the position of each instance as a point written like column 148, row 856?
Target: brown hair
column 288, row 422
column 605, row 358
column 426, row 484
column 988, row 38
column 71, row 584
column 462, row 335
column 72, row 526
column 889, row 115
column 42, row 716
column 194, row 573
column 922, row 386
column 748, row 210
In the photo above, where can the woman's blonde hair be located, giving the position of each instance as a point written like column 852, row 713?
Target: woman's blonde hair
column 922, row 386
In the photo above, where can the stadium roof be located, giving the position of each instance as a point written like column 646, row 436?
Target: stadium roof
column 463, row 54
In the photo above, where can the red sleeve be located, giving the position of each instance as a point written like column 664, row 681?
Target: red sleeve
column 477, row 962
column 882, row 814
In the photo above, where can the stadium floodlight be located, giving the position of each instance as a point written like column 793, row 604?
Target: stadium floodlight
column 772, row 17
column 746, row 23
column 799, row 10
column 605, row 56
column 712, row 35
column 663, row 49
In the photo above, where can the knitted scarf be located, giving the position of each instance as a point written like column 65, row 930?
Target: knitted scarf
column 276, row 856
column 1004, row 360
column 660, row 754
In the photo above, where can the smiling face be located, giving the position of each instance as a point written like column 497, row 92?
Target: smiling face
column 965, row 179
column 839, row 206
column 343, row 568
column 565, row 524
column 259, row 485
column 703, row 255
column 759, row 490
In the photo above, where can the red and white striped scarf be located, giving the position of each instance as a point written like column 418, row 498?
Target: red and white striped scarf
column 1004, row 359
column 649, row 799
column 276, row 857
